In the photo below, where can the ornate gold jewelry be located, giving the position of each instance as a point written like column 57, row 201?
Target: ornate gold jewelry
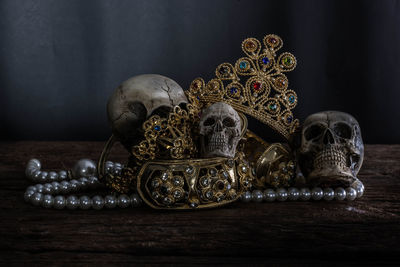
column 169, row 137
column 255, row 85
column 164, row 168
column 194, row 183
column 275, row 167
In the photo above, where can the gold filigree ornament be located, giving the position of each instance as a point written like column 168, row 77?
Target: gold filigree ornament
column 169, row 137
column 255, row 85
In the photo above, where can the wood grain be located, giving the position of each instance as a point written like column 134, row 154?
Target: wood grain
column 289, row 233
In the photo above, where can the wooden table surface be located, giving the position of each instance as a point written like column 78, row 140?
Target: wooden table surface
column 365, row 231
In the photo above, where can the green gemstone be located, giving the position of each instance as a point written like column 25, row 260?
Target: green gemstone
column 288, row 61
column 272, row 107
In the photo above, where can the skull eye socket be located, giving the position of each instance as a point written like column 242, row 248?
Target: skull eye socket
column 342, row 130
column 228, row 122
column 209, row 122
column 313, row 132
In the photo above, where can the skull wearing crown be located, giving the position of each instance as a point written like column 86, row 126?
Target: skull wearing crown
column 331, row 150
column 220, row 128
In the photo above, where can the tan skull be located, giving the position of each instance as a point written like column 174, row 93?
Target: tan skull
column 220, row 128
column 332, row 150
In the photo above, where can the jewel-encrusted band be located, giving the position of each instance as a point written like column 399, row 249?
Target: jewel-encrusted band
column 194, row 183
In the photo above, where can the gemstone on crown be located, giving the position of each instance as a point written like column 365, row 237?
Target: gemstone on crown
column 255, row 85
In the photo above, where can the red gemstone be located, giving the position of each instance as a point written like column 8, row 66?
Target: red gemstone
column 257, row 86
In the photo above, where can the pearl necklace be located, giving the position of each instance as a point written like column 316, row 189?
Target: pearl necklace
column 52, row 183
column 43, row 194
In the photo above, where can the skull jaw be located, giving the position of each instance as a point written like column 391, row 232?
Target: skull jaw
column 331, row 176
column 218, row 146
column 224, row 151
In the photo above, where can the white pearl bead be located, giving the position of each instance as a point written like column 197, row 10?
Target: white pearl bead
column 340, row 193
column 123, row 201
column 62, row 175
column 35, row 163
column 84, row 168
column 269, row 195
column 36, row 199
column 246, row 196
column 98, row 202
column 110, row 202
column 85, row 202
column 305, row 194
column 317, row 193
column 43, row 176
column 48, row 201
column 329, row 194
column 136, row 200
column 32, row 166
column 52, row 176
column 47, row 188
column 65, row 187
column 257, row 196
column 281, row 194
column 59, row 202
column 39, row 188
column 293, row 193
column 56, row 187
column 72, row 202
column 359, row 187
column 351, row 193
column 74, row 185
column 29, row 194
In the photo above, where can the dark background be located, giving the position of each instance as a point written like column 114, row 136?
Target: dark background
column 61, row 60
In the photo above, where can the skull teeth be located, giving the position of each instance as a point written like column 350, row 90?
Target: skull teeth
column 217, row 142
column 330, row 156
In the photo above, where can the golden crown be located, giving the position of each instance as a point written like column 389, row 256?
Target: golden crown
column 255, row 85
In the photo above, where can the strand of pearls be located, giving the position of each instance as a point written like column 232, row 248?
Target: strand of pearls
column 45, row 195
column 304, row 194
column 52, row 183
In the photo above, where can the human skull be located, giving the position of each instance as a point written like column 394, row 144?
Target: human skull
column 137, row 99
column 332, row 150
column 220, row 128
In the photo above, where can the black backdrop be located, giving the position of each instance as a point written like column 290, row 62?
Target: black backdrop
column 60, row 60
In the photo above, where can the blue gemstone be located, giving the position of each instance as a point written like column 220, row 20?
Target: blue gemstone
column 157, row 127
column 289, row 119
column 265, row 60
column 234, row 90
column 243, row 65
column 291, row 99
